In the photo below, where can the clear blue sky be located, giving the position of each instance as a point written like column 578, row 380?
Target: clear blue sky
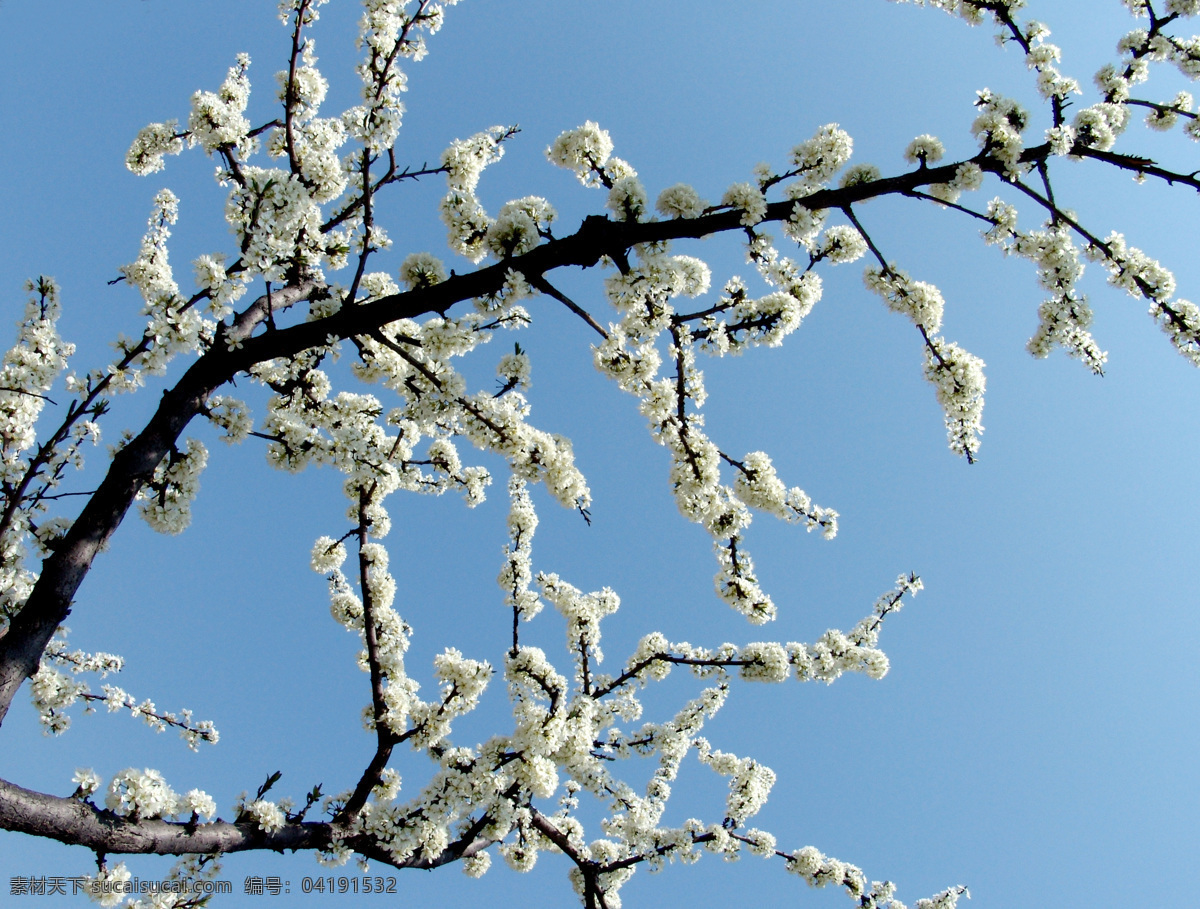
column 1036, row 737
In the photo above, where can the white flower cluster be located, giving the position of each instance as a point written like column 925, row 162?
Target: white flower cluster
column 116, row 699
column 1004, row 224
column 376, row 285
column 958, row 377
column 391, row 633
column 759, row 487
column 167, row 498
column 999, row 127
column 857, row 174
column 143, row 794
column 956, row 374
column 267, row 815
column 973, row 12
column 920, row 301
column 1042, row 58
column 309, row 141
column 388, row 30
column 924, row 150
column 1099, row 126
column 587, row 151
column 54, row 691
column 749, row 200
column 627, row 198
column 31, row 365
column 836, row 653
column 106, row 888
column 1163, row 117
column 820, row 870
column 145, row 155
column 173, row 326
column 947, row 899
column 477, row 865
column 680, row 201
column 584, row 150
column 28, row 370
column 1141, row 47
column 1064, row 318
column 191, row 874
column 87, row 782
column 1141, row 276
column 222, row 289
column 772, row 318
column 231, row 415
column 763, row 661
column 804, row 225
column 736, row 582
column 218, row 118
column 817, row 160
column 517, row 573
column 515, row 369
column 832, row 655
column 196, row 802
column 519, row 226
column 462, row 681
column 582, row 612
column 841, row 245
column 462, row 212
column 277, row 222
column 327, row 555
column 749, row 782
column 420, row 270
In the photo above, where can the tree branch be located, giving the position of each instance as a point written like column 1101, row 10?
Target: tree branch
column 597, row 237
column 80, row 823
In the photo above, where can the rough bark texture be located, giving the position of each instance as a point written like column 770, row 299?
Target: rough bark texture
column 80, row 823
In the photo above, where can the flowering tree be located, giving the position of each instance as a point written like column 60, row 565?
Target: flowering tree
column 304, row 196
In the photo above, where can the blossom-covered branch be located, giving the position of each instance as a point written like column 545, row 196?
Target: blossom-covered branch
column 397, row 421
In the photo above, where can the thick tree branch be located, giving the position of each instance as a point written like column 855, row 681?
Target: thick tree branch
column 80, row 823
column 597, row 237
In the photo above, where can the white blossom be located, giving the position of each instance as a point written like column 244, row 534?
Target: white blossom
column 267, row 815
column 584, row 150
column 747, row 198
column 141, row 794
column 422, row 270
column 145, row 155
column 924, row 150
column 218, row 118
column 680, row 201
column 88, row 782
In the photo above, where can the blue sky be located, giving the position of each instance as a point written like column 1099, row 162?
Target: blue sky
column 1035, row 738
